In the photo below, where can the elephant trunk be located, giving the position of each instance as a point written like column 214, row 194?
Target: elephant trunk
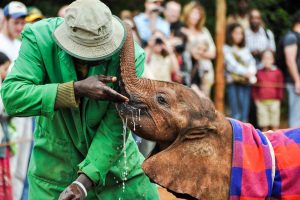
column 127, row 64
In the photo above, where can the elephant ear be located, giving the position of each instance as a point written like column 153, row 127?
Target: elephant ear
column 181, row 168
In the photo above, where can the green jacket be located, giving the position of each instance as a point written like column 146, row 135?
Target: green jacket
column 88, row 138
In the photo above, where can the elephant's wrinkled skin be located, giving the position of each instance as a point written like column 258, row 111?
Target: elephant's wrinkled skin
column 184, row 126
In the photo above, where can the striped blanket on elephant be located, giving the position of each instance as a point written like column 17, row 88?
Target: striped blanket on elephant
column 265, row 166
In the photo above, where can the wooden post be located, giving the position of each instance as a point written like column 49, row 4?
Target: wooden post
column 220, row 40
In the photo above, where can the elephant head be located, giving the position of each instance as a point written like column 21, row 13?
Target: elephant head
column 194, row 141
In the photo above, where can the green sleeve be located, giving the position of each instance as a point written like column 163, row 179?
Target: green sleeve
column 65, row 97
column 107, row 144
column 23, row 91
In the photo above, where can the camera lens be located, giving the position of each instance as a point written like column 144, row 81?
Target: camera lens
column 155, row 10
column 158, row 41
column 180, row 48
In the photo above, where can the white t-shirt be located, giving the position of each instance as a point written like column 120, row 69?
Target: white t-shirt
column 9, row 47
column 158, row 68
column 206, row 36
column 259, row 40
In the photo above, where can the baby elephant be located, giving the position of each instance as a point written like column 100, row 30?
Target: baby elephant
column 200, row 154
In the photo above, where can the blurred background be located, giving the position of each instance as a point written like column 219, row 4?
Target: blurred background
column 276, row 12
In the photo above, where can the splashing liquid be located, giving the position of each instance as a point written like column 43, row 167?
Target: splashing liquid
column 139, row 115
column 125, row 172
column 135, row 115
column 133, row 119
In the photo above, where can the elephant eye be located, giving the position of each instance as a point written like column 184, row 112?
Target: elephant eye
column 161, row 100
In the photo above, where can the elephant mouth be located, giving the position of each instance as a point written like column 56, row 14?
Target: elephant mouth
column 133, row 103
column 137, row 104
column 132, row 107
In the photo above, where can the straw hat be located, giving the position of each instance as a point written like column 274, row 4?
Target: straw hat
column 90, row 32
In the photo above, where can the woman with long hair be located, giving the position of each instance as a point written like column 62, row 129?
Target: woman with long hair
column 194, row 17
column 240, row 72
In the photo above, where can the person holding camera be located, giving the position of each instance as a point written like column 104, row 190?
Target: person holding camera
column 161, row 62
column 150, row 21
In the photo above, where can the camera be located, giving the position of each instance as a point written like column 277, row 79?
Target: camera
column 158, row 41
column 180, row 48
column 157, row 10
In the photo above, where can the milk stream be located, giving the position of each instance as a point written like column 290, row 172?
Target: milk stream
column 135, row 117
column 125, row 155
column 139, row 115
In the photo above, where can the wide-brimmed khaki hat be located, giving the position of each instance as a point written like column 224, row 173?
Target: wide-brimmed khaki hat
column 90, row 32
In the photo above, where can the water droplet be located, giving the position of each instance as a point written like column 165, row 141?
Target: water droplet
column 139, row 114
column 125, row 173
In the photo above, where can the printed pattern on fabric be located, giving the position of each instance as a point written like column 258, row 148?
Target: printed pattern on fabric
column 286, row 145
column 251, row 174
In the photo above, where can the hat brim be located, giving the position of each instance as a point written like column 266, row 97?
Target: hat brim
column 33, row 17
column 18, row 15
column 94, row 53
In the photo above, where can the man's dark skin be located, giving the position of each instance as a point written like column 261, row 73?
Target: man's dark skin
column 93, row 87
column 243, row 7
column 255, row 23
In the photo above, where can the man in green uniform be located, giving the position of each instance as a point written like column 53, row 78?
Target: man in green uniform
column 65, row 75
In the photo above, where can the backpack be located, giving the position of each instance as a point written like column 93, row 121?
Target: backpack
column 280, row 56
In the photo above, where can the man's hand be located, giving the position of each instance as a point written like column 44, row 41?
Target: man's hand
column 72, row 192
column 94, row 87
column 297, row 88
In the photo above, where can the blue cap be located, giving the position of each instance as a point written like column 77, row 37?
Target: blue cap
column 15, row 10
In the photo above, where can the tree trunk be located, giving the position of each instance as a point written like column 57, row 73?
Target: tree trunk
column 220, row 39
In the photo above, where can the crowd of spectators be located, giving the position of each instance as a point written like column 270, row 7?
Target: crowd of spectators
column 169, row 30
column 180, row 48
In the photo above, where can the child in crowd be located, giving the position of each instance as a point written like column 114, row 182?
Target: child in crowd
column 240, row 72
column 199, row 73
column 5, row 177
column 268, row 93
column 161, row 62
